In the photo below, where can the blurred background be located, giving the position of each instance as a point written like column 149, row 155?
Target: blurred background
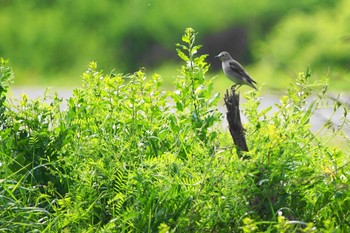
column 51, row 42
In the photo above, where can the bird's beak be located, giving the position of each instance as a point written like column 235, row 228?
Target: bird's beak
column 217, row 56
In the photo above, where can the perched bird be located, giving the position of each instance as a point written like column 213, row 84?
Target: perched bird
column 235, row 72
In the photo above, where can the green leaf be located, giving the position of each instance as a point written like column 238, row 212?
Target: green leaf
column 182, row 55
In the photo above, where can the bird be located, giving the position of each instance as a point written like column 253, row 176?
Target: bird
column 235, row 71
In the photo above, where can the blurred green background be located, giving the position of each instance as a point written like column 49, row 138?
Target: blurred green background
column 50, row 42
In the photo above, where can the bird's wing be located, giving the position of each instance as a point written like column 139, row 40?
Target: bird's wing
column 236, row 67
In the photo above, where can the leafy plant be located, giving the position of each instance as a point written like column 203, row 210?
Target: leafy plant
column 296, row 175
column 125, row 155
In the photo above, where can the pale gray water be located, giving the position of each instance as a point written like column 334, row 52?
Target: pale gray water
column 317, row 120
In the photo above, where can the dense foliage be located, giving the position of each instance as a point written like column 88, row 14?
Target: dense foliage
column 320, row 40
column 55, row 38
column 125, row 155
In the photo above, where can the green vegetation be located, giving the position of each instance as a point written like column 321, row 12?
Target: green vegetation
column 50, row 42
column 320, row 40
column 127, row 156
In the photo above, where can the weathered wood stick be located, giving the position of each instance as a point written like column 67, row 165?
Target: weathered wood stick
column 234, row 121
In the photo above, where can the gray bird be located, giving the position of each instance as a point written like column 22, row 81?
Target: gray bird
column 235, row 72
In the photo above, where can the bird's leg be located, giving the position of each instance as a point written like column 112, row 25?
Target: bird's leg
column 234, row 87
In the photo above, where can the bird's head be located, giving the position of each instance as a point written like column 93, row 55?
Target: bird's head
column 224, row 56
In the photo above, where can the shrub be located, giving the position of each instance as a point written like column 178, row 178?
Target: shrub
column 126, row 155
